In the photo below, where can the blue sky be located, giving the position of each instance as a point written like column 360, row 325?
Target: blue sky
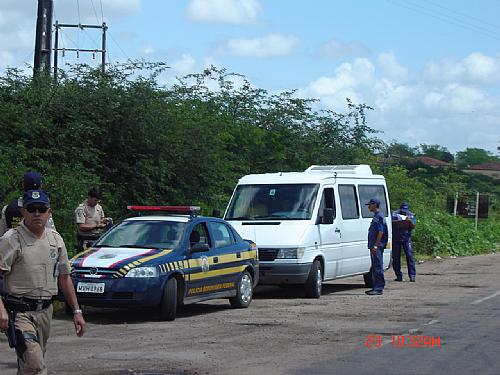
column 429, row 68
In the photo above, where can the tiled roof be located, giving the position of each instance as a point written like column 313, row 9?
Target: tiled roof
column 431, row 161
column 486, row 167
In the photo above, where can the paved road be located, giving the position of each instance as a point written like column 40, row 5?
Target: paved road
column 457, row 300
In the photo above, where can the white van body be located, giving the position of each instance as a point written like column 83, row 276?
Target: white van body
column 298, row 240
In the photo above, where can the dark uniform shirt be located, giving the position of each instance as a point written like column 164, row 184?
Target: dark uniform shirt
column 378, row 224
column 402, row 229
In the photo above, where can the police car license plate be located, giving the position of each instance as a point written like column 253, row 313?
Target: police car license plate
column 90, row 288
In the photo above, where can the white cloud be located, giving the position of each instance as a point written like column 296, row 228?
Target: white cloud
column 238, row 12
column 414, row 108
column 390, row 67
column 148, row 49
column 186, row 64
column 337, row 50
column 273, row 45
column 476, row 68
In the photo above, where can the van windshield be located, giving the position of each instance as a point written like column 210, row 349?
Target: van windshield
column 273, row 202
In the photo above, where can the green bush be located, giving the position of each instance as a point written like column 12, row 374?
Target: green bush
column 439, row 233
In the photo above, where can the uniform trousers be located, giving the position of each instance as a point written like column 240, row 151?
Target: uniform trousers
column 396, row 258
column 35, row 323
column 377, row 269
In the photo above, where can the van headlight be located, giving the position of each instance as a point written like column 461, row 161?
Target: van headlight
column 291, row 253
column 142, row 272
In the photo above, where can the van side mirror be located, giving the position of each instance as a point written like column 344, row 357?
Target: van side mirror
column 199, row 247
column 327, row 216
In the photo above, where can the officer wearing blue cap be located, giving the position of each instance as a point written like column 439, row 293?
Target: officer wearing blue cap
column 11, row 213
column 34, row 263
column 377, row 240
column 403, row 223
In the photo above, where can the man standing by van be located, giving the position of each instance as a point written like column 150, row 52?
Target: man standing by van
column 403, row 223
column 377, row 239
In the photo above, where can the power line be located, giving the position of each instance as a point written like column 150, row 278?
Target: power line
column 447, row 19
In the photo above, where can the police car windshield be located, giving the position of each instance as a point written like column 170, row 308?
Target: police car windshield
column 162, row 234
column 273, row 202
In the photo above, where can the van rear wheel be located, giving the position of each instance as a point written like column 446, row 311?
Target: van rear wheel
column 314, row 280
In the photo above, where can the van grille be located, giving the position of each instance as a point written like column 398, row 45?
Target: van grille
column 267, row 254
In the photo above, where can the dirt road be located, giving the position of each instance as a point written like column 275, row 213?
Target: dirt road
column 281, row 331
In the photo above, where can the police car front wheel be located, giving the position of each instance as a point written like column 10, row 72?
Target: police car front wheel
column 244, row 291
column 168, row 306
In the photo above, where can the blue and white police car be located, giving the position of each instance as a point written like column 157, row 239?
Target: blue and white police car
column 166, row 258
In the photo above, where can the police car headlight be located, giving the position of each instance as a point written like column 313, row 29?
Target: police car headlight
column 143, row 272
column 291, row 253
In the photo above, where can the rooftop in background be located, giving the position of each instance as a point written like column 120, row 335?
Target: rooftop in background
column 486, row 167
column 431, row 162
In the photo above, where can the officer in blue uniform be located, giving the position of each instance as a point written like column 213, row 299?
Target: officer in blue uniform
column 377, row 240
column 403, row 223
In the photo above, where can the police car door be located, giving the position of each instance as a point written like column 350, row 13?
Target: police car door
column 199, row 261
column 226, row 261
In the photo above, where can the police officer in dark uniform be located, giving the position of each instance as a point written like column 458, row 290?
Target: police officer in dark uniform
column 34, row 263
column 377, row 240
column 403, row 223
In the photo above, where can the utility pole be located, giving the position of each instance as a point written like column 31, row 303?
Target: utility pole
column 102, row 51
column 43, row 36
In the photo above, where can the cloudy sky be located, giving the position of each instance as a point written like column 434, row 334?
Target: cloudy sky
column 429, row 68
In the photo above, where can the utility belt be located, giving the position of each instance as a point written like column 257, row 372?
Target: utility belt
column 23, row 304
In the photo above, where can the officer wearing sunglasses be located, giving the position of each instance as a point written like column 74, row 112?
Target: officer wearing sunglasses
column 34, row 263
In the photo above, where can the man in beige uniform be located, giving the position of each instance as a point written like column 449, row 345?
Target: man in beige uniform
column 34, row 262
column 89, row 217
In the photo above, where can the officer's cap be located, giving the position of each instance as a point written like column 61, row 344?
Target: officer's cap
column 32, row 181
column 373, row 201
column 36, row 196
column 404, row 206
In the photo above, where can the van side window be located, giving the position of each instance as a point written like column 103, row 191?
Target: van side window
column 367, row 192
column 348, row 202
column 327, row 201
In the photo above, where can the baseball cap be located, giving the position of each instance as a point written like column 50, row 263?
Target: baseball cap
column 32, row 181
column 373, row 201
column 404, row 206
column 35, row 196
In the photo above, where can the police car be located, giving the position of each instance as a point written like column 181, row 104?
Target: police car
column 167, row 258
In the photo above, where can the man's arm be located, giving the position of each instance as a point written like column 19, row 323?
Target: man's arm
column 4, row 317
column 66, row 285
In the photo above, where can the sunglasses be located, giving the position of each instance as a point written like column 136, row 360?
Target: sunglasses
column 41, row 209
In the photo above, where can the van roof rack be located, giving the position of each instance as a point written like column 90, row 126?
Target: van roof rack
column 363, row 169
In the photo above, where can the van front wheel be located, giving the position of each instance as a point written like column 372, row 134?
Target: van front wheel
column 314, row 280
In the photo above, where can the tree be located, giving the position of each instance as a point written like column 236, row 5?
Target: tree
column 437, row 152
column 474, row 156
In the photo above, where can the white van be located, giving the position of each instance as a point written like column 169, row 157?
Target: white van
column 310, row 226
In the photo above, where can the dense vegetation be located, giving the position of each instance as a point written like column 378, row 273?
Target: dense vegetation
column 188, row 143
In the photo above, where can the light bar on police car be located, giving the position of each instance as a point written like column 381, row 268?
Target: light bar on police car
column 182, row 210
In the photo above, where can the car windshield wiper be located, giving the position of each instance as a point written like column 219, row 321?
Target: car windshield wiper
column 238, row 218
column 269, row 217
column 102, row 246
column 135, row 246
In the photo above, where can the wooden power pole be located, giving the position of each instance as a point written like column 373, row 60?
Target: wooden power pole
column 43, row 36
